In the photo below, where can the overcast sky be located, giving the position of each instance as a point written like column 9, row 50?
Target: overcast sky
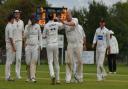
column 79, row 3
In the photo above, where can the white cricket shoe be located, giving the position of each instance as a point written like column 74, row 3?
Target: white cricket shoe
column 99, row 79
column 114, row 72
column 67, row 82
column 28, row 79
column 58, row 82
column 9, row 79
column 110, row 72
column 18, row 77
column 33, row 80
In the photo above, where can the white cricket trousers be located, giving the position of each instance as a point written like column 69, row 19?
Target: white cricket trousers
column 10, row 56
column 18, row 46
column 52, row 54
column 78, row 65
column 31, row 53
column 74, row 65
column 100, row 56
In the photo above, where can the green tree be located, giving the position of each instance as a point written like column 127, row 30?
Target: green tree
column 89, row 19
column 96, row 12
column 26, row 6
column 119, row 23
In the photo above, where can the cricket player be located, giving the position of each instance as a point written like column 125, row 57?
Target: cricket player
column 101, row 41
column 50, row 32
column 10, row 47
column 74, row 47
column 19, row 29
column 33, row 42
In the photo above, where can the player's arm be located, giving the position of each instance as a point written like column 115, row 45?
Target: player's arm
column 40, row 38
column 69, row 23
column 84, row 44
column 108, row 41
column 84, row 39
column 44, row 32
column 25, row 35
column 60, row 25
column 94, row 41
column 23, row 30
column 84, row 36
column 11, row 40
column 73, row 22
column 12, row 44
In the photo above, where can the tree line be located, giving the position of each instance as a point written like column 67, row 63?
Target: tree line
column 116, row 18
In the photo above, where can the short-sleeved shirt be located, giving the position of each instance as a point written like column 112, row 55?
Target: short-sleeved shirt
column 51, row 32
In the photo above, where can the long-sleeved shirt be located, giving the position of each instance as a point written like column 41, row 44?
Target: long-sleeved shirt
column 71, row 32
column 33, row 35
column 9, row 32
column 101, row 39
column 18, row 30
column 114, row 49
column 80, row 34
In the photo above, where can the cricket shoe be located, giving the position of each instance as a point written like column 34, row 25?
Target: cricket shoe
column 58, row 82
column 114, row 72
column 67, row 82
column 76, row 79
column 110, row 72
column 28, row 79
column 53, row 80
column 10, row 79
column 104, row 76
column 99, row 79
column 18, row 77
column 81, row 80
column 33, row 80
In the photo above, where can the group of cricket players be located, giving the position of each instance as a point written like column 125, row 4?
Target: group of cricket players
column 31, row 36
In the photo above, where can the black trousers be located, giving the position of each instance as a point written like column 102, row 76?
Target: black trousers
column 112, row 62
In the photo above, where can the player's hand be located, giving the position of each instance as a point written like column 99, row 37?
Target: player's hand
column 14, row 49
column 109, row 51
column 25, row 45
column 39, row 48
column 93, row 45
column 84, row 47
column 79, row 62
column 61, row 21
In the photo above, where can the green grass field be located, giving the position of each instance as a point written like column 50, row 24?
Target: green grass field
column 113, row 81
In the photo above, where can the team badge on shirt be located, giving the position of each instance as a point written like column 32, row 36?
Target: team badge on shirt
column 100, row 37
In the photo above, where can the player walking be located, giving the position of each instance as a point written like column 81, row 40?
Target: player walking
column 74, row 47
column 101, row 41
column 10, row 47
column 51, row 34
column 19, row 29
column 33, row 42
